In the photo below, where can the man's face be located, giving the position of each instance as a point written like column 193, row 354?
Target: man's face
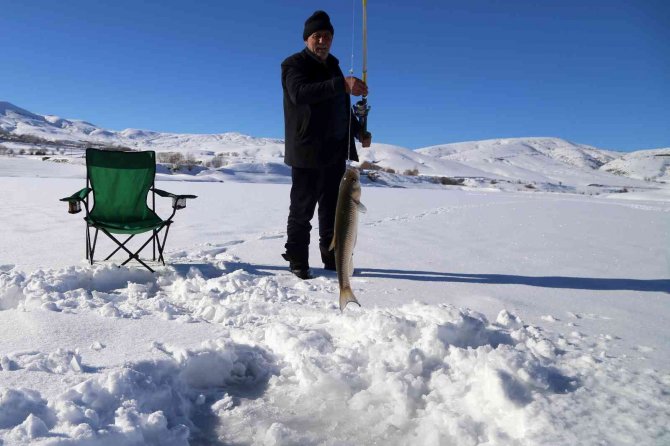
column 319, row 43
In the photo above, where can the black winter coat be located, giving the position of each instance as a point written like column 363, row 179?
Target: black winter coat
column 317, row 112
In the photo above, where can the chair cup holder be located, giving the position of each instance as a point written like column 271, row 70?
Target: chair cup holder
column 73, row 207
column 178, row 203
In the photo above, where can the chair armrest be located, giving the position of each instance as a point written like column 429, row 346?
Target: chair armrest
column 78, row 196
column 178, row 201
column 74, row 200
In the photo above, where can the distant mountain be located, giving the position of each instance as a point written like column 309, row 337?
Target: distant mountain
column 550, row 162
column 401, row 160
column 579, row 155
column 12, row 111
column 17, row 121
column 649, row 165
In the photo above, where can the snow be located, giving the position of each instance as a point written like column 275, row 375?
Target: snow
column 490, row 315
column 647, row 164
column 541, row 160
column 546, row 163
column 401, row 159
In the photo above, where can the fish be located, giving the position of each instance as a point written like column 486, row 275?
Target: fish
column 346, row 231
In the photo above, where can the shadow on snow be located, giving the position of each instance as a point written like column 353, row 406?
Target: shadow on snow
column 582, row 283
column 579, row 283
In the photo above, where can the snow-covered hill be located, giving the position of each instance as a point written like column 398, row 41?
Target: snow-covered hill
column 650, row 165
column 578, row 155
column 544, row 160
column 551, row 164
column 17, row 121
column 401, row 159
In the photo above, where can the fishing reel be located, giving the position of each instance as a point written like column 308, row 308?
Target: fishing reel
column 361, row 109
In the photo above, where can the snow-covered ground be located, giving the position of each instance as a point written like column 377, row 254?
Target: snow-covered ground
column 488, row 317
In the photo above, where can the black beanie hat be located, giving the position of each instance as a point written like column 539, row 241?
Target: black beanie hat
column 319, row 21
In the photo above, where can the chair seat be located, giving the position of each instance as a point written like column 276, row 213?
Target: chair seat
column 128, row 227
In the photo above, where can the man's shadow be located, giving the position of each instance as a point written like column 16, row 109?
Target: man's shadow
column 579, row 283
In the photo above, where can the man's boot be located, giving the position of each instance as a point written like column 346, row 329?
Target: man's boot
column 298, row 265
column 328, row 258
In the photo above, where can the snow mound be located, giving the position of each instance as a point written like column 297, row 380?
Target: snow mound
column 70, row 288
column 291, row 369
column 59, row 362
column 157, row 402
column 18, row 404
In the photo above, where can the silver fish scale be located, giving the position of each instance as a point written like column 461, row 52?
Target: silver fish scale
column 346, row 231
column 346, row 248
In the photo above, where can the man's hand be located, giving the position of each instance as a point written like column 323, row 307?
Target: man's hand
column 365, row 138
column 355, row 86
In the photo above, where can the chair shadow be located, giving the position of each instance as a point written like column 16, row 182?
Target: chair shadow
column 580, row 283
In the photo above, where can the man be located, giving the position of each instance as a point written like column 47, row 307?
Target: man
column 320, row 129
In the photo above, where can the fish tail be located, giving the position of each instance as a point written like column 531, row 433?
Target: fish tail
column 346, row 296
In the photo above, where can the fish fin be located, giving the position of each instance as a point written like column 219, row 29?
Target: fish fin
column 347, row 296
column 360, row 207
column 351, row 266
column 333, row 243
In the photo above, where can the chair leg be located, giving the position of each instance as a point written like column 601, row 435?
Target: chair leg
column 90, row 249
column 139, row 260
column 161, row 247
column 155, row 239
column 131, row 255
column 119, row 247
column 136, row 256
column 95, row 242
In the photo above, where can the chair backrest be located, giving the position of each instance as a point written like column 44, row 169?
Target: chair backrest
column 120, row 183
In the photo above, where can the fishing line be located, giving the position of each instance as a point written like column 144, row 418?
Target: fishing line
column 351, row 73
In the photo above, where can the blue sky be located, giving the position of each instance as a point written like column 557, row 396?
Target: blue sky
column 590, row 71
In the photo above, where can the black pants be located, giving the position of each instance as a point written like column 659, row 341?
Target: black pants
column 312, row 186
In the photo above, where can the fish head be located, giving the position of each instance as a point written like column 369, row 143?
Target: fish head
column 351, row 183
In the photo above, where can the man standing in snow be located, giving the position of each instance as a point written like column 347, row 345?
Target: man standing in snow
column 319, row 133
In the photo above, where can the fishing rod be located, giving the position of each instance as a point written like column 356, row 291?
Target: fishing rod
column 361, row 108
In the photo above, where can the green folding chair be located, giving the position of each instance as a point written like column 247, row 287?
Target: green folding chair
column 121, row 183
